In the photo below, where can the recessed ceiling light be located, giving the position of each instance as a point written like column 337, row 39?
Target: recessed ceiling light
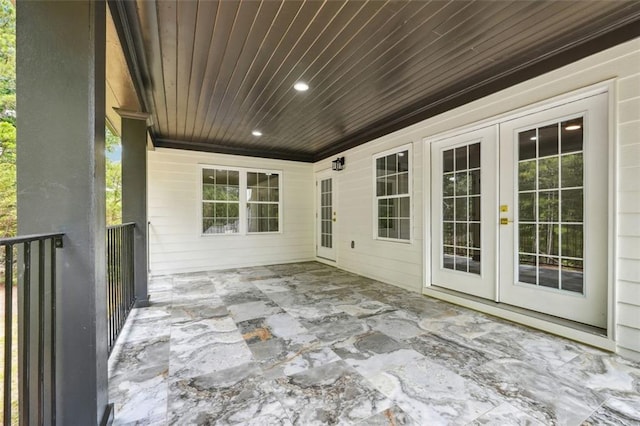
column 301, row 86
column 573, row 127
column 256, row 133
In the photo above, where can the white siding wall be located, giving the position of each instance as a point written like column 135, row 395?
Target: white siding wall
column 399, row 263
column 175, row 243
column 628, row 243
column 402, row 264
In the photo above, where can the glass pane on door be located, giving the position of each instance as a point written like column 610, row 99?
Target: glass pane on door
column 550, row 189
column 326, row 209
column 461, row 208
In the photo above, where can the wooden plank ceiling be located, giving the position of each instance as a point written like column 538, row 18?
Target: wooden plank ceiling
column 212, row 72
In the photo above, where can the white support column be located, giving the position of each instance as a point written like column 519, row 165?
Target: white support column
column 61, row 184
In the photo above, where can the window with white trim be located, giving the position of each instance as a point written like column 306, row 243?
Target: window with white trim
column 263, row 201
column 220, row 201
column 240, row 201
column 393, row 195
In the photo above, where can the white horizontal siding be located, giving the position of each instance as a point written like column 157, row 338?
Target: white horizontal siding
column 397, row 263
column 403, row 265
column 628, row 242
column 629, row 291
column 175, row 243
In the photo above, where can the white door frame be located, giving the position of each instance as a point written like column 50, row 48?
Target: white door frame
column 482, row 284
column 606, row 342
column 325, row 253
column 589, row 307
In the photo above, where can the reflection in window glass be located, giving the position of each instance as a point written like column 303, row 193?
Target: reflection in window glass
column 393, row 197
column 461, row 208
column 263, row 200
column 551, row 206
column 220, row 201
column 221, row 204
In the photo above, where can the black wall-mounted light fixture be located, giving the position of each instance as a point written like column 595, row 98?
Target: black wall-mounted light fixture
column 338, row 164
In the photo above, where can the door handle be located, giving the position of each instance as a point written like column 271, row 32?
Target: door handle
column 505, row 221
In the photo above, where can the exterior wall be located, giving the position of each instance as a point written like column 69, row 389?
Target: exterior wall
column 175, row 242
column 404, row 265
column 398, row 263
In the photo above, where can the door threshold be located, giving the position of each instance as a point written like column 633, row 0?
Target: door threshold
column 583, row 333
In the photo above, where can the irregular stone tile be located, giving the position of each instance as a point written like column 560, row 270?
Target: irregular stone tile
column 202, row 347
column 368, row 344
column 374, row 364
column 333, row 328
column 453, row 353
column 537, row 390
column 255, row 309
column 292, row 299
column 466, row 324
column 364, row 308
column 537, row 347
column 161, row 299
column 549, row 379
column 398, row 324
column 146, row 327
column 617, row 412
column 140, row 395
column 197, row 310
column 288, row 269
column 390, row 417
column 329, row 394
column 202, row 285
column 129, row 356
column 231, row 396
column 314, row 311
column 284, row 325
column 434, row 395
column 230, row 287
column 423, row 306
column 279, row 356
column 238, row 298
column 277, row 325
column 272, row 285
column 194, row 295
column 606, row 374
column 160, row 284
column 506, row 414
column 155, row 311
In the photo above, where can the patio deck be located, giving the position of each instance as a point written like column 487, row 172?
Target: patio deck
column 310, row 344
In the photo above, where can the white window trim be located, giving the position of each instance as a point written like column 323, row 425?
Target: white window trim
column 242, row 200
column 409, row 148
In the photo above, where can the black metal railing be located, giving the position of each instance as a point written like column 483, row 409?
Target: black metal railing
column 120, row 278
column 29, row 269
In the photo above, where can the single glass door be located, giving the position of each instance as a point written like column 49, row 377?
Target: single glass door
column 463, row 214
column 554, row 206
column 326, row 218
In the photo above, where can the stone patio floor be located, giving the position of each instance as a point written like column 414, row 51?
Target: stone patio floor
column 309, row 344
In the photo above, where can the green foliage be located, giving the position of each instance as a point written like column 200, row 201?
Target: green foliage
column 113, row 180
column 114, row 192
column 8, row 219
column 112, row 141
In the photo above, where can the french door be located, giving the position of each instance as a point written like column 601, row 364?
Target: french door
column 463, row 176
column 519, row 215
column 553, row 232
column 325, row 217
